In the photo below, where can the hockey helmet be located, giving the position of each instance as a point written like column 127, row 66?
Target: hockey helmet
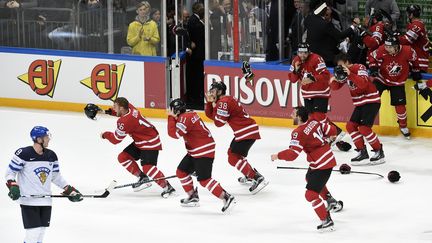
column 413, row 9
column 178, row 106
column 39, row 132
column 91, row 110
column 392, row 41
column 303, row 47
column 220, row 86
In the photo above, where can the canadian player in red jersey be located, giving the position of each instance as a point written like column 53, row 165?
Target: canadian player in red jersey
column 367, row 102
column 200, row 147
column 374, row 36
column 145, row 146
column 390, row 66
column 223, row 109
column 310, row 69
column 416, row 36
column 309, row 137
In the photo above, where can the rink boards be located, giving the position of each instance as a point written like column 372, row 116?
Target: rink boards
column 63, row 80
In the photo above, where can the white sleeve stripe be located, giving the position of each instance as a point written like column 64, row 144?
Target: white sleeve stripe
column 117, row 137
column 220, row 120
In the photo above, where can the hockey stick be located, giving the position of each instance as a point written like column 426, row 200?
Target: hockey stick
column 138, row 183
column 356, row 172
column 103, row 195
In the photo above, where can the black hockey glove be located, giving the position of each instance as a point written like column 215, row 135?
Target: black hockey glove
column 374, row 71
column 416, row 75
column 109, row 111
column 310, row 76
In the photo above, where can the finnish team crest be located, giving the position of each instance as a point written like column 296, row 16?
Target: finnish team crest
column 42, row 173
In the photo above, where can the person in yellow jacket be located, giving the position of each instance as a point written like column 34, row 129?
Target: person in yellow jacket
column 143, row 34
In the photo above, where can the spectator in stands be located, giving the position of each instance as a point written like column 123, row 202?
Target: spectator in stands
column 155, row 15
column 185, row 18
column 143, row 34
column 195, row 65
column 389, row 6
column 297, row 28
column 216, row 11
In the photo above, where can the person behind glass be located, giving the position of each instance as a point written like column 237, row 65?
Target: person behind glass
column 143, row 34
column 195, row 65
column 216, row 11
column 322, row 35
column 36, row 167
column 155, row 15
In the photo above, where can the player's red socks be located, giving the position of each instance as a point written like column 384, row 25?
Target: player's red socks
column 154, row 173
column 356, row 136
column 324, row 192
column 241, row 164
column 371, row 137
column 127, row 161
column 186, row 181
column 401, row 115
column 317, row 204
column 213, row 186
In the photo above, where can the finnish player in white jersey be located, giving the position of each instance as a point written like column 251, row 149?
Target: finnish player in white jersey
column 35, row 167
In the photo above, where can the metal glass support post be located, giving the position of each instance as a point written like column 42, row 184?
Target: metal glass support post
column 281, row 29
column 236, row 39
column 110, row 26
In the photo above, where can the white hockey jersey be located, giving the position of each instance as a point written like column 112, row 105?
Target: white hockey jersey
column 35, row 173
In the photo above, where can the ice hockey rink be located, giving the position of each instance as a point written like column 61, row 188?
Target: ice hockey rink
column 375, row 209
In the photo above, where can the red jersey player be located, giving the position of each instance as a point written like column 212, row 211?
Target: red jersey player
column 145, row 146
column 310, row 69
column 366, row 100
column 417, row 36
column 309, row 137
column 200, row 147
column 224, row 109
column 390, row 65
column 375, row 35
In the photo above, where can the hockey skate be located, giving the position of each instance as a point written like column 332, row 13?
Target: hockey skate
column 258, row 183
column 361, row 158
column 244, row 180
column 405, row 131
column 168, row 191
column 378, row 157
column 326, row 225
column 141, row 184
column 229, row 202
column 191, row 201
column 333, row 205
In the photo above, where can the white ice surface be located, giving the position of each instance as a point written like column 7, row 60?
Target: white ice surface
column 375, row 209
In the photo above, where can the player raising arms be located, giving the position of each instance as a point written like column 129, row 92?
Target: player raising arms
column 146, row 145
column 36, row 168
column 224, row 109
column 309, row 137
column 200, row 147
